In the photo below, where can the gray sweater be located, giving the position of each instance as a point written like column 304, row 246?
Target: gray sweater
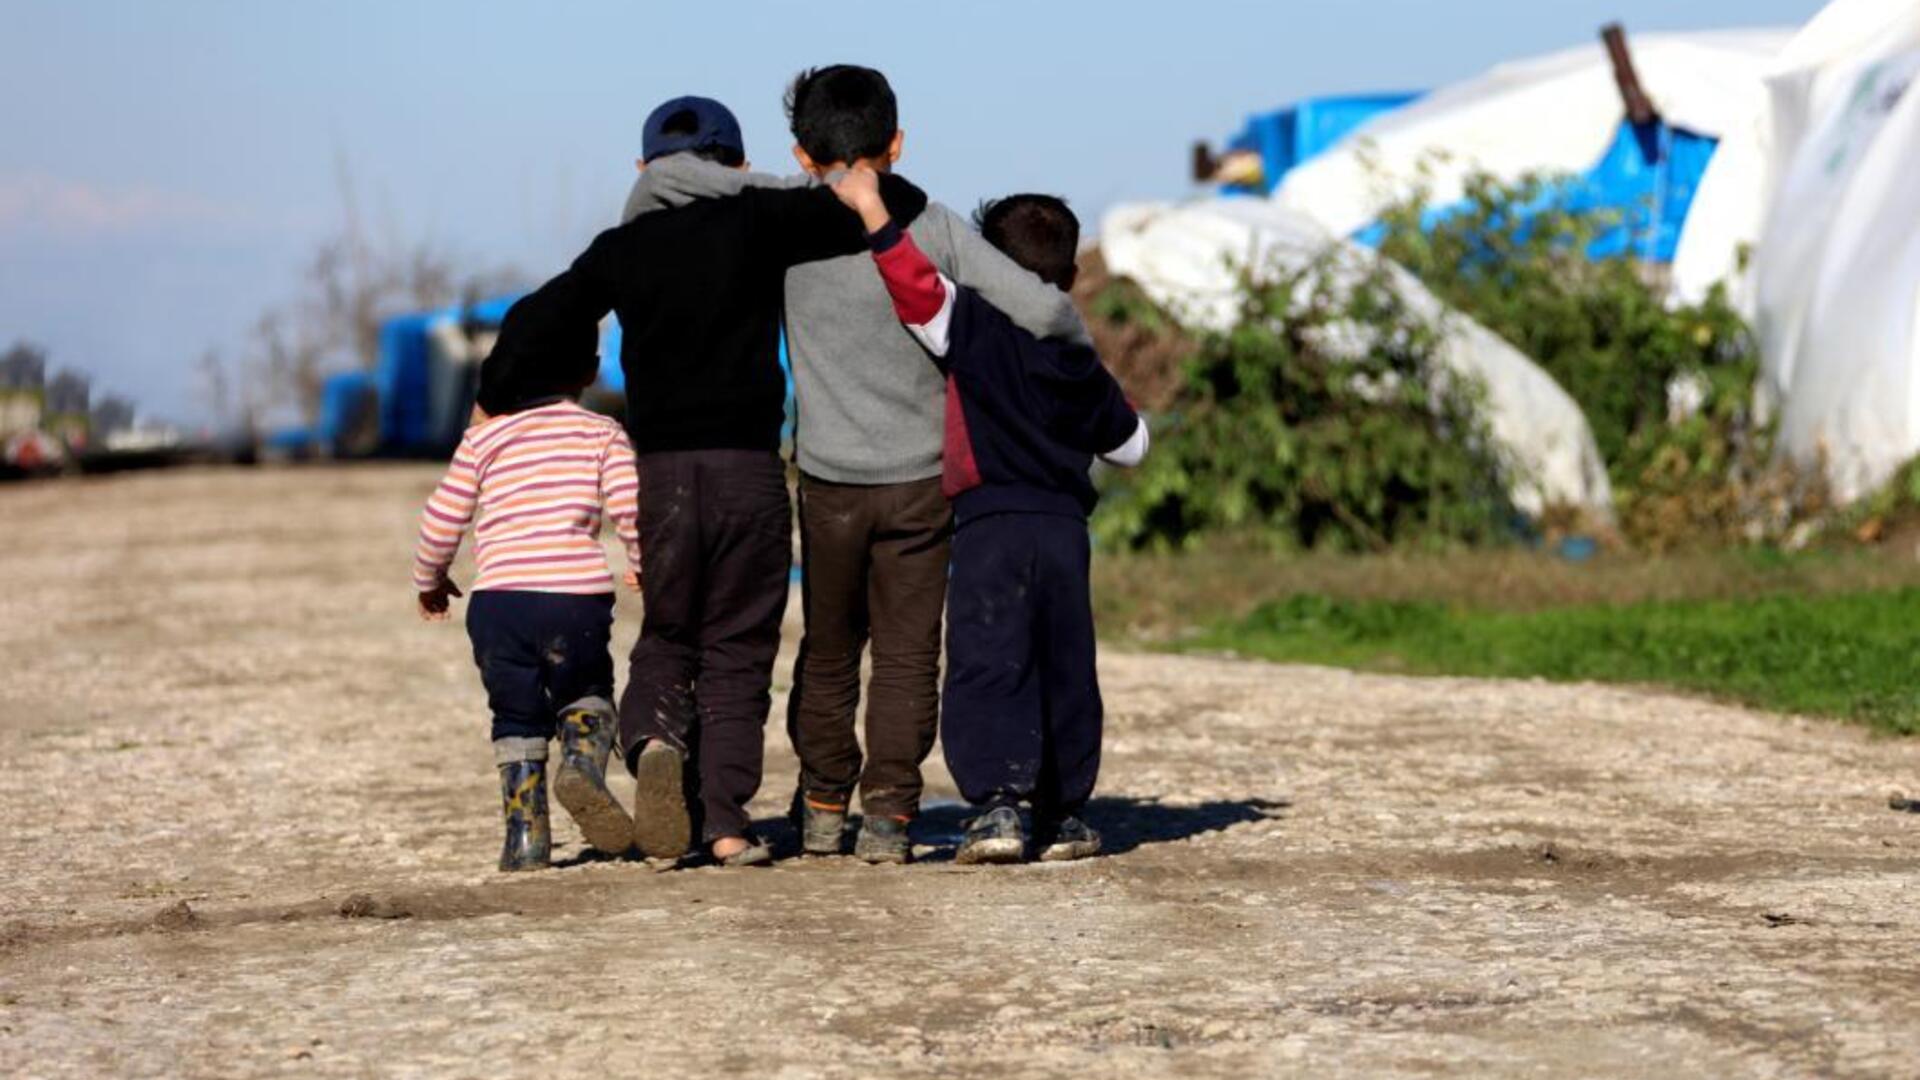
column 871, row 406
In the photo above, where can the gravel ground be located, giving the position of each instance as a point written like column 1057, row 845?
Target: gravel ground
column 254, row 819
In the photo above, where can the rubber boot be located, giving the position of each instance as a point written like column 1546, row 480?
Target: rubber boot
column 580, row 784
column 523, row 793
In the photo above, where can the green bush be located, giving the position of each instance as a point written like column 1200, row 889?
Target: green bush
column 1512, row 257
column 1322, row 418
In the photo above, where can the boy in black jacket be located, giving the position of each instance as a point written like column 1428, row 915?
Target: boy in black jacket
column 1024, row 418
column 699, row 293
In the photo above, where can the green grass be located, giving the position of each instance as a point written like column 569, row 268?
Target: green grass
column 1848, row 655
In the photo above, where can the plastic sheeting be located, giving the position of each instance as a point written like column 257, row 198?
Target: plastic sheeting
column 1284, row 138
column 1185, row 257
column 1810, row 76
column 1836, row 273
column 1558, row 113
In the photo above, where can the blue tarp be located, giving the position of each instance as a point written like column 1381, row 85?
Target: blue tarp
column 1646, row 180
column 1286, row 137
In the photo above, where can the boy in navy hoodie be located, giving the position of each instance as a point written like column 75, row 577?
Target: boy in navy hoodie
column 1024, row 419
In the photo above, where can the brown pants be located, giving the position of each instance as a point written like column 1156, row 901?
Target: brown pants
column 874, row 567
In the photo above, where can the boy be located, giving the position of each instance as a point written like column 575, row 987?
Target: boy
column 539, row 480
column 874, row 527
column 699, row 294
column 1023, row 419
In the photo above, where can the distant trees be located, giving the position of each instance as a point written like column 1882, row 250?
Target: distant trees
column 352, row 283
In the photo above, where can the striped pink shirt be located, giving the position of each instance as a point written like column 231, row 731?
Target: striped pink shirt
column 533, row 486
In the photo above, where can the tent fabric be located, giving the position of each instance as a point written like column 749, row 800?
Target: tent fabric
column 1557, row 113
column 1187, row 257
column 1836, row 275
column 1809, row 77
column 1284, row 138
column 1647, row 179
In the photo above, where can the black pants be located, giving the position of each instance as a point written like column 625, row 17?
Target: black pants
column 874, row 560
column 1023, row 712
column 716, row 548
column 538, row 653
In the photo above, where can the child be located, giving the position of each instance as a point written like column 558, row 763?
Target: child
column 699, row 291
column 1023, row 419
column 540, row 479
column 874, row 526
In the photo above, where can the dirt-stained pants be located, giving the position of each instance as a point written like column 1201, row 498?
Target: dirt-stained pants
column 539, row 653
column 874, row 567
column 716, row 553
column 1023, row 712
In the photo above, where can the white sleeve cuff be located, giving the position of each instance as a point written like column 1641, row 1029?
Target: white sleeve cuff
column 935, row 335
column 1131, row 452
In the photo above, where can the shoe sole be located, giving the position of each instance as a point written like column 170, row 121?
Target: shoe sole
column 592, row 807
column 991, row 851
column 662, row 828
column 1081, row 849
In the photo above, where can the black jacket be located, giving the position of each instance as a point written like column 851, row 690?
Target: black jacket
column 699, row 293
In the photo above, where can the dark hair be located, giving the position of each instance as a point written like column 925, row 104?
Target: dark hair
column 567, row 363
column 842, row 113
column 687, row 122
column 1037, row 231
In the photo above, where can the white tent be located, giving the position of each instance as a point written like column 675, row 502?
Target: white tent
column 1553, row 113
column 1814, row 70
column 1185, row 257
column 1836, row 271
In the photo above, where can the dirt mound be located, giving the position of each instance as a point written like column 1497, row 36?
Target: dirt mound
column 1141, row 344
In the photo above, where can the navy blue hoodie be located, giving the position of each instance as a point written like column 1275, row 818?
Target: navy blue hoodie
column 1025, row 417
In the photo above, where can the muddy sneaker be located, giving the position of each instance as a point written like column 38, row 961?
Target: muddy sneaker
column 661, row 826
column 993, row 837
column 822, row 826
column 883, row 839
column 1070, row 839
column 523, row 793
column 580, row 784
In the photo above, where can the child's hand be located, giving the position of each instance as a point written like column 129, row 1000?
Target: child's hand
column 434, row 602
column 859, row 188
column 632, row 580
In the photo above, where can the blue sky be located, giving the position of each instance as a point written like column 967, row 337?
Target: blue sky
column 165, row 168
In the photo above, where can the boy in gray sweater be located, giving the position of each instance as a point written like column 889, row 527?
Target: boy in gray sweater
column 874, row 526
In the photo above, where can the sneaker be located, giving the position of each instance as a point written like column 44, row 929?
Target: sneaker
column 1070, row 839
column 661, row 825
column 822, row 826
column 993, row 837
column 580, row 784
column 883, row 839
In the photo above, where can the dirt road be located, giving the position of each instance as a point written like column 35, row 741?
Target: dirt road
column 214, row 694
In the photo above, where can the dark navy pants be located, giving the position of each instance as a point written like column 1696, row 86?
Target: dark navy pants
column 539, row 652
column 1022, row 715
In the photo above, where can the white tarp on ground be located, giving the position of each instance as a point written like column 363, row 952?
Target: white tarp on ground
column 1184, row 257
column 1553, row 113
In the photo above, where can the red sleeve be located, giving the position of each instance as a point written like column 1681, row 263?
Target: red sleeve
column 911, row 278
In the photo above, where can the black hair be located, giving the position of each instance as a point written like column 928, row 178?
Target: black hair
column 569, row 366
column 842, row 113
column 687, row 122
column 1039, row 232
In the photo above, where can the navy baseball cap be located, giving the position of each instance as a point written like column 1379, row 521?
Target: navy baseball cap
column 706, row 125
